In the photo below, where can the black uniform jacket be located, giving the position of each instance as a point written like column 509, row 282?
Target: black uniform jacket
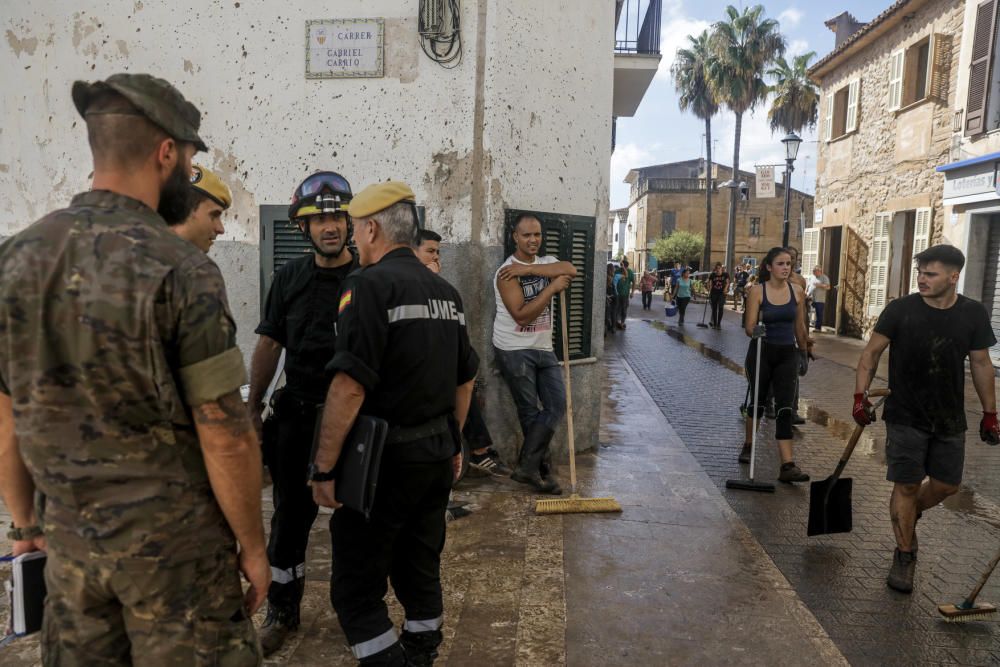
column 401, row 334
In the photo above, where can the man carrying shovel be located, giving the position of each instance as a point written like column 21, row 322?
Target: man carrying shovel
column 931, row 334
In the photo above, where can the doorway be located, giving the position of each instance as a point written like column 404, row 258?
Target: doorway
column 830, row 261
column 900, row 255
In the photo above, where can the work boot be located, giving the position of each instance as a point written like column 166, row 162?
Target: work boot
column 394, row 656
column 745, row 453
column 278, row 624
column 791, row 473
column 528, row 471
column 421, row 647
column 545, row 468
column 900, row 577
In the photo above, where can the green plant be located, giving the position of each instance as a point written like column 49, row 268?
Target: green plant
column 681, row 246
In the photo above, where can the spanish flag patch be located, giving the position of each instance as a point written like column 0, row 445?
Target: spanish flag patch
column 345, row 301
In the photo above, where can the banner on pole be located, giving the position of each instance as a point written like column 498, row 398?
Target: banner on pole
column 765, row 182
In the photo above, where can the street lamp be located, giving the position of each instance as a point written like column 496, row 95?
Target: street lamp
column 792, row 143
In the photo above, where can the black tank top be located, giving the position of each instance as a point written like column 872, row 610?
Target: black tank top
column 780, row 320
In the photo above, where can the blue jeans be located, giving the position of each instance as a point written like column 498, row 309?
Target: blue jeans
column 819, row 314
column 534, row 377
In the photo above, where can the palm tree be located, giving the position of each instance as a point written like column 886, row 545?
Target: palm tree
column 745, row 44
column 795, row 106
column 689, row 72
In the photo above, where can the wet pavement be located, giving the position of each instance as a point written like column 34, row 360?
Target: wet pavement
column 675, row 579
column 695, row 376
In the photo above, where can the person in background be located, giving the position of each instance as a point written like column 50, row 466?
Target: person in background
column 682, row 294
column 624, row 289
column 718, row 285
column 611, row 301
column 208, row 199
column 739, row 292
column 646, row 285
column 817, row 287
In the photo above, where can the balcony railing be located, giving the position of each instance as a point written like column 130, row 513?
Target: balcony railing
column 638, row 29
column 672, row 185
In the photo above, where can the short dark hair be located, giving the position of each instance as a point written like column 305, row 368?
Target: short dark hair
column 120, row 135
column 192, row 201
column 427, row 235
column 521, row 217
column 624, row 262
column 948, row 255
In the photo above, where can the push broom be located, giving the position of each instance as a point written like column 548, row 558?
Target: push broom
column 968, row 610
column 751, row 484
column 574, row 504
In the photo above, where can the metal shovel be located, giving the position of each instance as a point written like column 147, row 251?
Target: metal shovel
column 830, row 499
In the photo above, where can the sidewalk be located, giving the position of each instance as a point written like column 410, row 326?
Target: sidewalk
column 676, row 579
column 695, row 376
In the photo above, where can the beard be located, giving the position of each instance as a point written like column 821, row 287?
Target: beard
column 175, row 197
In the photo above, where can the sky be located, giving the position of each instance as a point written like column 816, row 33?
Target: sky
column 660, row 133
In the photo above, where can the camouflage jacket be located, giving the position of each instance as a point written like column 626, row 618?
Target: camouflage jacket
column 111, row 327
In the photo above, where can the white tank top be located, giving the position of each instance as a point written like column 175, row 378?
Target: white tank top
column 508, row 334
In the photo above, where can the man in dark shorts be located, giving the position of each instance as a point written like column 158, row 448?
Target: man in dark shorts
column 931, row 334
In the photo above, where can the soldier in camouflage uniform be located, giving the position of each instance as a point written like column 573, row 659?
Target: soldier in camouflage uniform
column 120, row 408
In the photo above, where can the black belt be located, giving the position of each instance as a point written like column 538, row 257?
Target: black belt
column 400, row 434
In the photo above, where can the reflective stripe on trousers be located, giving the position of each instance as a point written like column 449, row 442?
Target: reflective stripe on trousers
column 375, row 645
column 279, row 576
column 423, row 626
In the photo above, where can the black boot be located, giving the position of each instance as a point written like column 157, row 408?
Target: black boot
column 279, row 623
column 394, row 656
column 536, row 442
column 421, row 647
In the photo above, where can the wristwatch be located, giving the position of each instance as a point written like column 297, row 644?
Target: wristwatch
column 316, row 476
column 25, row 533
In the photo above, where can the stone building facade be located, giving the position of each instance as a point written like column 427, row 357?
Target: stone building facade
column 886, row 122
column 498, row 131
column 670, row 197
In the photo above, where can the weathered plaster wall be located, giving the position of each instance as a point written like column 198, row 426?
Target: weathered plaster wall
column 510, row 127
column 888, row 163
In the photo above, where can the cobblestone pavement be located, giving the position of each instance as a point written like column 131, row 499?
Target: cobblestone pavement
column 695, row 377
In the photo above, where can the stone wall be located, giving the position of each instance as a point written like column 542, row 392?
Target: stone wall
column 888, row 163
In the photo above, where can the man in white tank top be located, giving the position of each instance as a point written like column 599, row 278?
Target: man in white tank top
column 522, row 340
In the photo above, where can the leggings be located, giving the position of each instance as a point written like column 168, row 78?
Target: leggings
column 778, row 373
column 718, row 302
column 682, row 305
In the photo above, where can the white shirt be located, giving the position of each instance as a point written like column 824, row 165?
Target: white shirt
column 508, row 334
column 818, row 295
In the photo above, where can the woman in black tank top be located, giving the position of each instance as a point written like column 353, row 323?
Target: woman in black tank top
column 781, row 307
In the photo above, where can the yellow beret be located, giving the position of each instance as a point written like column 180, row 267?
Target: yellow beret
column 210, row 185
column 378, row 197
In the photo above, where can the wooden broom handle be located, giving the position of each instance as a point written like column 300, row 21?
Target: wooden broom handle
column 569, row 393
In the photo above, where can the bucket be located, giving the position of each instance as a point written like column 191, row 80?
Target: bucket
column 670, row 309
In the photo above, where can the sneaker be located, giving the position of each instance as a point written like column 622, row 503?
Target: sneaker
column 489, row 463
column 791, row 473
column 745, row 453
column 901, row 573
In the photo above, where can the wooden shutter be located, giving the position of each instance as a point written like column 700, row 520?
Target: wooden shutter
column 895, row 80
column 878, row 272
column 853, row 99
column 921, row 239
column 830, row 96
column 810, row 249
column 569, row 238
column 939, row 66
column 979, row 67
column 280, row 242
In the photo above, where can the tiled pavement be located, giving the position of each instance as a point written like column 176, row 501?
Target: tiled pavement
column 694, row 376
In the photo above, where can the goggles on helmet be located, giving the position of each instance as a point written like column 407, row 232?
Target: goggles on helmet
column 323, row 192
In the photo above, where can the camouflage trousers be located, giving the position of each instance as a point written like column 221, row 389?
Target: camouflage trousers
column 134, row 611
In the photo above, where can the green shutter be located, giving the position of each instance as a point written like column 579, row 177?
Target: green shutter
column 280, row 242
column 570, row 238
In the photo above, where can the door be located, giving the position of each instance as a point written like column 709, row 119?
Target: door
column 831, row 267
column 991, row 283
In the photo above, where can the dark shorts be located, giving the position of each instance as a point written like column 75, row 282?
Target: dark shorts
column 912, row 454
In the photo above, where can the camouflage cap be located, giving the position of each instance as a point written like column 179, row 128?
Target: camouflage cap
column 155, row 98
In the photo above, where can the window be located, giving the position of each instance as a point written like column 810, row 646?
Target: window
column 982, row 108
column 570, row 238
column 842, row 110
column 280, row 242
column 920, row 71
column 669, row 223
column 754, row 226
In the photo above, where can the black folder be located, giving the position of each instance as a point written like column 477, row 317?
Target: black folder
column 358, row 466
column 26, row 593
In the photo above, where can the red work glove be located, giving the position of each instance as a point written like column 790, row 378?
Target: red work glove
column 863, row 413
column 989, row 429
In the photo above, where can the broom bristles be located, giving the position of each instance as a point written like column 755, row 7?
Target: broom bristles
column 955, row 614
column 577, row 505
